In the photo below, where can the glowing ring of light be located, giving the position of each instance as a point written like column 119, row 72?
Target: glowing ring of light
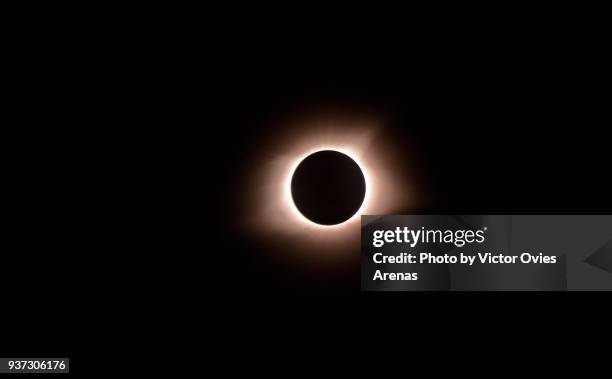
column 265, row 206
column 289, row 199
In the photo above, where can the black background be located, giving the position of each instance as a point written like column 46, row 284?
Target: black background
column 124, row 148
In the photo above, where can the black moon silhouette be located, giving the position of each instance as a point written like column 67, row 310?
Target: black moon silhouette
column 328, row 187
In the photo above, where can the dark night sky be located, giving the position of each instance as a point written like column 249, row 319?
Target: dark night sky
column 501, row 129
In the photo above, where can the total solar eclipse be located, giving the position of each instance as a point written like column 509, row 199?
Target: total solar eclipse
column 328, row 187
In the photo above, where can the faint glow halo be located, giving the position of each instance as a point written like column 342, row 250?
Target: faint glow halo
column 266, row 205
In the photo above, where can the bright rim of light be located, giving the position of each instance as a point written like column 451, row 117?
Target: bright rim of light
column 289, row 198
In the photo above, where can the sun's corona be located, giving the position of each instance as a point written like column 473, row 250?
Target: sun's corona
column 271, row 205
